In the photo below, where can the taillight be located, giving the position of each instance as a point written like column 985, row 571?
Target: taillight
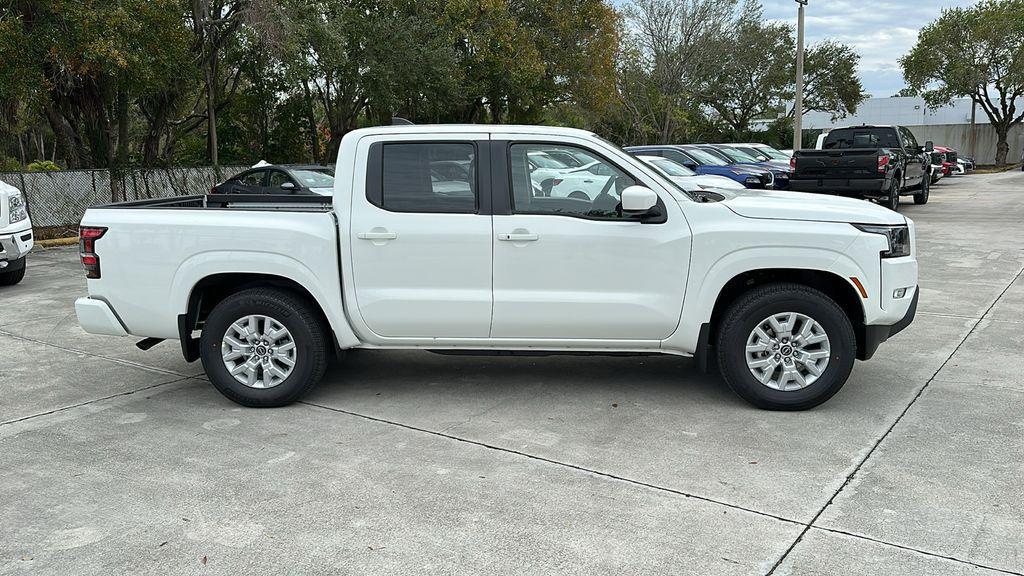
column 556, row 181
column 883, row 161
column 792, row 163
column 87, row 237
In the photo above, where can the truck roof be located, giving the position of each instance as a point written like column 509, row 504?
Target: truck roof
column 475, row 129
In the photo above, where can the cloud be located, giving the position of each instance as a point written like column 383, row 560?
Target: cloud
column 880, row 31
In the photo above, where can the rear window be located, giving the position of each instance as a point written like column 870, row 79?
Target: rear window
column 861, row 138
column 429, row 177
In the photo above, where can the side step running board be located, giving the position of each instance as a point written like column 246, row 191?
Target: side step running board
column 148, row 343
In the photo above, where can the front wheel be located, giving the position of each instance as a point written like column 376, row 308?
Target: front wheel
column 12, row 277
column 922, row 196
column 264, row 347
column 785, row 347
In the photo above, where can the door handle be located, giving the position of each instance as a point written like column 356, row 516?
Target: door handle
column 377, row 235
column 519, row 237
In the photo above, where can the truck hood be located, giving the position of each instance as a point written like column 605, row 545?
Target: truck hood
column 782, row 205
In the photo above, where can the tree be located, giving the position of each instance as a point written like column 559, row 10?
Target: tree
column 754, row 71
column 831, row 84
column 665, row 56
column 975, row 52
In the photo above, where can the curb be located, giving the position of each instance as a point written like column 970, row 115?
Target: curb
column 55, row 242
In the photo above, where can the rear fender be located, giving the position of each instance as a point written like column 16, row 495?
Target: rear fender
column 206, row 264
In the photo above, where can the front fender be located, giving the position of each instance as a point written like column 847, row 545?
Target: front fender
column 706, row 287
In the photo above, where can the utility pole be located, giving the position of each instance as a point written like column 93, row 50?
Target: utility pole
column 798, row 101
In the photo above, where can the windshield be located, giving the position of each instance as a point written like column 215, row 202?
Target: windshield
column 313, row 179
column 773, row 153
column 704, row 157
column 671, row 168
column 738, row 156
column 758, row 153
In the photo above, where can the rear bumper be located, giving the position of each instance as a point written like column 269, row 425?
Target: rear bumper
column 858, row 187
column 874, row 335
column 97, row 317
column 16, row 245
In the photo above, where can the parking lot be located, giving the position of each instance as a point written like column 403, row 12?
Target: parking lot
column 117, row 460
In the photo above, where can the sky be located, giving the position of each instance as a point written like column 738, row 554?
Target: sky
column 879, row 30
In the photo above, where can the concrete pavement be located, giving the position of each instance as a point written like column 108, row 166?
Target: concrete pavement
column 122, row 461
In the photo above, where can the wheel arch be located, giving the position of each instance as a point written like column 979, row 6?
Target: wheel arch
column 839, row 289
column 212, row 289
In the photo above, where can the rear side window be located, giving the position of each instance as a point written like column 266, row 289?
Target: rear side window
column 428, row 177
column 861, row 138
column 252, row 178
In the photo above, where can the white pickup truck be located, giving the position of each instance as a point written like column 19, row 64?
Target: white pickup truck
column 15, row 235
column 441, row 238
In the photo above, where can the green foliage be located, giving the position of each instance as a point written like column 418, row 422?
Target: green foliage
column 42, row 166
column 8, row 164
column 975, row 52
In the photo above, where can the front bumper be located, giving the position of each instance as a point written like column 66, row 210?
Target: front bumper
column 874, row 335
column 15, row 246
column 96, row 317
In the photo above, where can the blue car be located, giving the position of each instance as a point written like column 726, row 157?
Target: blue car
column 735, row 155
column 704, row 162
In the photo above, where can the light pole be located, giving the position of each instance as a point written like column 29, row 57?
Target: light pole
column 798, row 100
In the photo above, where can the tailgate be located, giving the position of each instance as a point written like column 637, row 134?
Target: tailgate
column 849, row 163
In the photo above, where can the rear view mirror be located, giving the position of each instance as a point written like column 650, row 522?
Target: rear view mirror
column 638, row 199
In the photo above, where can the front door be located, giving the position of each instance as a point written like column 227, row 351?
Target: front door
column 420, row 236
column 568, row 267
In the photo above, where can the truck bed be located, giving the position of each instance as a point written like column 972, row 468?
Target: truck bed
column 287, row 202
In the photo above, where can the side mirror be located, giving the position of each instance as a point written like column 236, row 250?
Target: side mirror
column 929, row 146
column 638, row 199
column 288, row 186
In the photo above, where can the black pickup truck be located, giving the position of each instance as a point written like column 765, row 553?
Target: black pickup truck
column 877, row 162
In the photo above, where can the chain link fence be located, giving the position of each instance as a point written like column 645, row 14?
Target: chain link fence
column 58, row 199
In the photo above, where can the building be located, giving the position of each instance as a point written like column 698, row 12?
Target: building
column 946, row 126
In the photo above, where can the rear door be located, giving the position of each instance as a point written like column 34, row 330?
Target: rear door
column 420, row 235
column 915, row 160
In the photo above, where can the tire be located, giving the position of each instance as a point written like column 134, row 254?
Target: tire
column 922, row 196
column 12, row 277
column 893, row 201
column 305, row 328
column 737, row 329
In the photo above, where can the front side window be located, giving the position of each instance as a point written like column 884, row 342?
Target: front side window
column 429, row 177
column 277, row 178
column 591, row 191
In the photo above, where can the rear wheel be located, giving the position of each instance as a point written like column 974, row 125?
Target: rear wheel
column 922, row 196
column 785, row 347
column 264, row 347
column 12, row 277
column 893, row 202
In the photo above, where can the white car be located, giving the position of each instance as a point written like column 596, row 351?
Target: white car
column 688, row 179
column 15, row 235
column 778, row 291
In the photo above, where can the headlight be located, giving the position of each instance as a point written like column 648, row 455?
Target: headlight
column 897, row 236
column 17, row 208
